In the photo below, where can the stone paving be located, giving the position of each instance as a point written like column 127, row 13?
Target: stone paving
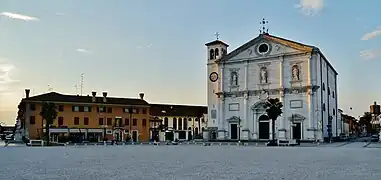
column 189, row 162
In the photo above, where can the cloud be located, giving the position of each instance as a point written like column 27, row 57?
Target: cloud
column 60, row 14
column 19, row 16
column 310, row 7
column 372, row 34
column 85, row 51
column 370, row 53
column 146, row 46
column 5, row 78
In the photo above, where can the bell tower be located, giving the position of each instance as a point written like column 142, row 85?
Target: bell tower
column 216, row 50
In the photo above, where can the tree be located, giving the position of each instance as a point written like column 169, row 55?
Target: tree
column 274, row 110
column 366, row 120
column 21, row 114
column 49, row 114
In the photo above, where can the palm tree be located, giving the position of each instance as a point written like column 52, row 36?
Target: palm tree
column 274, row 110
column 49, row 114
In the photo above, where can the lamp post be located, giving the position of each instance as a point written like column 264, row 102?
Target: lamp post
column 130, row 129
column 239, row 130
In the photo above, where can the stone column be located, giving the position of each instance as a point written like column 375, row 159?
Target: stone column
column 283, row 118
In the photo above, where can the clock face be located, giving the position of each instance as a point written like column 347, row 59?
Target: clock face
column 213, row 76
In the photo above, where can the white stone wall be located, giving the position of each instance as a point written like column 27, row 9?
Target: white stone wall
column 314, row 70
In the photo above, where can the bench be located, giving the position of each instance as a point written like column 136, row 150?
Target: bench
column 287, row 142
column 35, row 142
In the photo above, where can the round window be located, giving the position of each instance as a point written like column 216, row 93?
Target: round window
column 263, row 48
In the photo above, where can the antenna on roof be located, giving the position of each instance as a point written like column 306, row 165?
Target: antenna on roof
column 76, row 89
column 264, row 29
column 82, row 75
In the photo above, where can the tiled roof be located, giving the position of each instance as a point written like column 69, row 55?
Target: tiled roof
column 177, row 110
column 57, row 97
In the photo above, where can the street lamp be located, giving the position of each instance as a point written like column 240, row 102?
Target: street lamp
column 130, row 129
column 239, row 130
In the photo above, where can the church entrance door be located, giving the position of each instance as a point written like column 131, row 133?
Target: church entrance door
column 264, row 127
column 296, row 131
column 233, row 131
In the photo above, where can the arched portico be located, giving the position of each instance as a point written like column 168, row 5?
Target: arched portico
column 118, row 135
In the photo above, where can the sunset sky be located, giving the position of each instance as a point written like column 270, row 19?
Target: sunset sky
column 157, row 47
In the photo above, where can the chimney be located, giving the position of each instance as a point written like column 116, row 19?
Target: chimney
column 141, row 96
column 104, row 96
column 27, row 91
column 94, row 96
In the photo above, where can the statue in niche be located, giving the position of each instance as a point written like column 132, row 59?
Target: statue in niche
column 234, row 77
column 295, row 73
column 263, row 75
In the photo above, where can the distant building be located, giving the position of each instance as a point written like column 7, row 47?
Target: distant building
column 182, row 122
column 90, row 118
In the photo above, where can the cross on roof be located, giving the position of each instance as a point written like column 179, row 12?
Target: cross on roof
column 217, row 35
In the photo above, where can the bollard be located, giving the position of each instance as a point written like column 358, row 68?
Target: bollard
column 104, row 143
column 141, row 143
column 211, row 144
column 188, row 142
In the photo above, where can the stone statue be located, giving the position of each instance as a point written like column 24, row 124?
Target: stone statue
column 234, row 79
column 263, row 75
column 295, row 73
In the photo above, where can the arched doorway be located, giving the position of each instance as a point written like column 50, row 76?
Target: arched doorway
column 264, row 127
column 118, row 135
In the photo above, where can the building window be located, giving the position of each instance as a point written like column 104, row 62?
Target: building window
column 109, row 110
column 216, row 52
column 100, row 121
column 75, row 108
column 87, row 109
column 180, row 124
column 101, row 109
column 333, row 94
column 329, row 91
column 174, row 123
column 76, row 121
column 32, row 120
column 211, row 54
column 126, row 110
column 109, row 121
column 333, row 111
column 323, row 106
column 32, row 107
column 127, row 121
column 134, row 110
column 144, row 111
column 166, row 122
column 60, row 108
column 196, row 119
column 144, row 122
column 202, row 120
column 323, row 87
column 86, row 121
column 134, row 122
column 60, row 121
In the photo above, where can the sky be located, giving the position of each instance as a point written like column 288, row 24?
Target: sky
column 157, row 47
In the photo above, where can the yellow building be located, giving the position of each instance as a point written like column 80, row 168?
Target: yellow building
column 183, row 122
column 89, row 118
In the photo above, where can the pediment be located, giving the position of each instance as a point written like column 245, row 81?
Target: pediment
column 296, row 117
column 234, row 119
column 266, row 46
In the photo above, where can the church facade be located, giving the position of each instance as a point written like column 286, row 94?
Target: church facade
column 267, row 66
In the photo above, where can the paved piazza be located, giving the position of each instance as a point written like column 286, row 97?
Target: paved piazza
column 190, row 162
